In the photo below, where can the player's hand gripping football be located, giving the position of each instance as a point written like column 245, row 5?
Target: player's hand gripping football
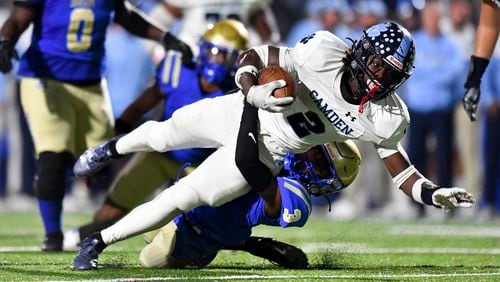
column 261, row 96
column 450, row 198
column 7, row 53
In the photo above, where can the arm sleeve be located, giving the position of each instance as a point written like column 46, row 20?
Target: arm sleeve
column 256, row 173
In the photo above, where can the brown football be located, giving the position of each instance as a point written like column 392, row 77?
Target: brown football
column 274, row 72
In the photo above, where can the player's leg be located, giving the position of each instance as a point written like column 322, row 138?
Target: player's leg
column 216, row 181
column 142, row 175
column 51, row 118
column 208, row 123
column 177, row 245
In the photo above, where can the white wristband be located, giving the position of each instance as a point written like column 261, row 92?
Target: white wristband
column 404, row 175
column 244, row 69
column 416, row 190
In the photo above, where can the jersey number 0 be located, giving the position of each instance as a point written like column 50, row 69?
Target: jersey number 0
column 81, row 24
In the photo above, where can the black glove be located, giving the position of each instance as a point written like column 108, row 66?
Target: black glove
column 277, row 252
column 471, row 102
column 7, row 53
column 472, row 94
column 170, row 42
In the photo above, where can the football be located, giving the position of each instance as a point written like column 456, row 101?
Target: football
column 274, row 72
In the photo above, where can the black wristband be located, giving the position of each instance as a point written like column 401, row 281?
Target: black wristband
column 122, row 126
column 426, row 195
column 477, row 67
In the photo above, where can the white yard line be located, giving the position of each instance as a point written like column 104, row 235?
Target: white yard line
column 445, row 230
column 358, row 248
column 274, row 277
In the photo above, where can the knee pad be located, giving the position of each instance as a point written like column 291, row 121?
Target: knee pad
column 52, row 172
column 185, row 197
column 155, row 139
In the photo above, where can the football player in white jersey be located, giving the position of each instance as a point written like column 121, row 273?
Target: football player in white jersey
column 342, row 93
column 199, row 15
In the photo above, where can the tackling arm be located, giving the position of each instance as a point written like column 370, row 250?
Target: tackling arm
column 422, row 190
column 256, row 173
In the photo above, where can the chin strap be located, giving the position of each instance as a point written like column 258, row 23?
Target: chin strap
column 329, row 202
column 367, row 97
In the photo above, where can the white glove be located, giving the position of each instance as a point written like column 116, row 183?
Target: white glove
column 260, row 96
column 451, row 198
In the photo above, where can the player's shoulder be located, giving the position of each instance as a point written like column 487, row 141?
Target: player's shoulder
column 171, row 71
column 389, row 116
column 320, row 47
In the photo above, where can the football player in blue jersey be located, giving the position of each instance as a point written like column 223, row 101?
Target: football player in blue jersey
column 176, row 84
column 193, row 238
column 61, row 92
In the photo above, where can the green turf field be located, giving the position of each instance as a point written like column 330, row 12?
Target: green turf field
column 358, row 250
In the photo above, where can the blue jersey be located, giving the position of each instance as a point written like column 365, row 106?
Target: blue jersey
column 232, row 222
column 181, row 87
column 68, row 39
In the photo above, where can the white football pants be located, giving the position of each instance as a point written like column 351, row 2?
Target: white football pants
column 209, row 123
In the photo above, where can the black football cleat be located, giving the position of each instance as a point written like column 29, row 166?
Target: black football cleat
column 53, row 242
column 277, row 252
column 94, row 159
column 87, row 256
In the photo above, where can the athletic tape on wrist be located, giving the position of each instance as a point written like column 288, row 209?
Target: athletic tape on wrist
column 404, row 175
column 244, row 69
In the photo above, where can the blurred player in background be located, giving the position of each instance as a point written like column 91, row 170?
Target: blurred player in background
column 61, row 90
column 176, row 85
column 486, row 40
column 197, row 16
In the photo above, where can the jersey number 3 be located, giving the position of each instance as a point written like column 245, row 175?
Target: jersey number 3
column 81, row 24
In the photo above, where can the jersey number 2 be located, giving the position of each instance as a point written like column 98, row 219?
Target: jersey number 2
column 305, row 123
column 81, row 24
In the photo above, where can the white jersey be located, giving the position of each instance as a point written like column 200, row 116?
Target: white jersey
column 319, row 113
column 199, row 15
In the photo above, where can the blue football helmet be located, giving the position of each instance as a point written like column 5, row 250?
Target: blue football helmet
column 220, row 47
column 387, row 48
column 325, row 169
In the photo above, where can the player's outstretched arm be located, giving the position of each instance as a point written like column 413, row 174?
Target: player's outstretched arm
column 422, row 190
